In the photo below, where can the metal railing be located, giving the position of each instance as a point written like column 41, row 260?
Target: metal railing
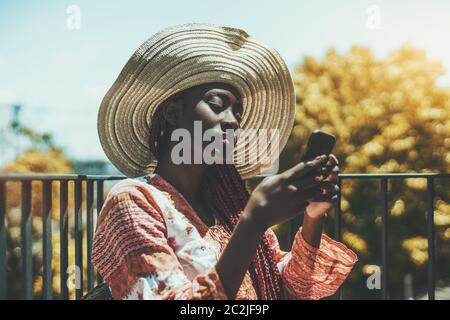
column 383, row 178
column 26, row 229
column 95, row 189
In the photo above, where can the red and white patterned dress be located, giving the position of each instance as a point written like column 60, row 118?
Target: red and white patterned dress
column 150, row 244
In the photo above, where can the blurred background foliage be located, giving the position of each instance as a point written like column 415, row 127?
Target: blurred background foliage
column 43, row 157
column 388, row 116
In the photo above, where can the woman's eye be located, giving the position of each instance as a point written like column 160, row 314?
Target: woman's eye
column 215, row 101
column 215, row 106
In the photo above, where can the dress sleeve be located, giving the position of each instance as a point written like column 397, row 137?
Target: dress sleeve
column 133, row 254
column 311, row 273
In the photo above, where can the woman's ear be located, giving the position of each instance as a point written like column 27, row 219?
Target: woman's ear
column 173, row 111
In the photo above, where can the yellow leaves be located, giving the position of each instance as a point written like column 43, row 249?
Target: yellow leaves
column 373, row 149
column 389, row 166
column 416, row 183
column 417, row 249
column 447, row 158
column 347, row 189
column 35, row 160
column 393, row 71
column 443, row 206
column 345, row 205
column 349, row 218
column 431, row 114
column 413, row 155
column 355, row 242
column 447, row 128
column 398, row 208
column 447, row 233
column 357, row 160
column 397, row 128
column 348, row 148
column 375, row 111
column 442, row 214
column 388, row 116
column 441, row 219
column 402, row 144
column 38, row 285
column 325, row 83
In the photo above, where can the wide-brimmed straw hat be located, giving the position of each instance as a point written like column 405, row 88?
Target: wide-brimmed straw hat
column 184, row 56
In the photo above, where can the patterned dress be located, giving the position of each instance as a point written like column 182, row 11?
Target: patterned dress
column 150, row 244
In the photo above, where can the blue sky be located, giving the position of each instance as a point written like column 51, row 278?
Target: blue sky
column 59, row 75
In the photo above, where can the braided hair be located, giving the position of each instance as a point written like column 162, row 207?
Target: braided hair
column 224, row 193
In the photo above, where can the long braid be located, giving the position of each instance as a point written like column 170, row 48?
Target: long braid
column 224, row 193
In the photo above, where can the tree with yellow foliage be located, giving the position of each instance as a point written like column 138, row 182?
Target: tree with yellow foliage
column 389, row 116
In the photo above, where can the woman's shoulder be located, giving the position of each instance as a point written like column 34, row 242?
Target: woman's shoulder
column 131, row 189
column 131, row 195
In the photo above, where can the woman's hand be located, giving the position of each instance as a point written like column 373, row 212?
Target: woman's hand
column 317, row 208
column 281, row 197
column 319, row 205
column 277, row 199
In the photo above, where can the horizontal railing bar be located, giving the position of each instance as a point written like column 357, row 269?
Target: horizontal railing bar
column 51, row 176
column 20, row 177
column 392, row 175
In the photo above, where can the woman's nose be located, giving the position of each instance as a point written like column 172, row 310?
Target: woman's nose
column 229, row 122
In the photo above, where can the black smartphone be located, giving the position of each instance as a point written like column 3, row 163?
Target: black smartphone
column 320, row 142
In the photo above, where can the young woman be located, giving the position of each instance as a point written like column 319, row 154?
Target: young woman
column 191, row 230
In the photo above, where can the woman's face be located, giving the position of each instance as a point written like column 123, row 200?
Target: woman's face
column 217, row 106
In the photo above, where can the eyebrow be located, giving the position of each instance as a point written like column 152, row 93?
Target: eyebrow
column 222, row 94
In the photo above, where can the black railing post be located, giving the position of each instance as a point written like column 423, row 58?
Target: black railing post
column 338, row 224
column 90, row 231
column 430, row 236
column 78, row 238
column 384, row 238
column 64, row 237
column 47, row 238
column 338, row 214
column 3, row 283
column 26, row 250
column 100, row 199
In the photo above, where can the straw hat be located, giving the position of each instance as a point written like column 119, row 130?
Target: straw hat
column 184, row 56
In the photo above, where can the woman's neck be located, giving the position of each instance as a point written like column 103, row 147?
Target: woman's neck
column 186, row 178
